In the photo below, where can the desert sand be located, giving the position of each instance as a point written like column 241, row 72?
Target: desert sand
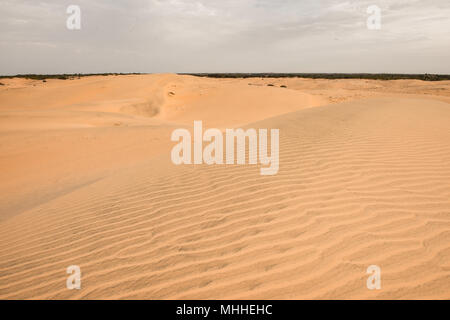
column 86, row 179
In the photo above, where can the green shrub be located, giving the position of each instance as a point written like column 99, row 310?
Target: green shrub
column 370, row 76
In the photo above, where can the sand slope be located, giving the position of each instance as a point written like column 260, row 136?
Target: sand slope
column 361, row 182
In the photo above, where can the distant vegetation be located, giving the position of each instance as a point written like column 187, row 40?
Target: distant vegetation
column 370, row 76
column 62, row 76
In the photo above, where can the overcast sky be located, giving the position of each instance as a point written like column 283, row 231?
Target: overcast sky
column 224, row 36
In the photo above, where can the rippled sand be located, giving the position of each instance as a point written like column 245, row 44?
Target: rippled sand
column 87, row 180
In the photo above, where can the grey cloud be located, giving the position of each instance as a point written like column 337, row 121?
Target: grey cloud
column 224, row 36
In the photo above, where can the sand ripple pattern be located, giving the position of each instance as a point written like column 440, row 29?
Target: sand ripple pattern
column 360, row 183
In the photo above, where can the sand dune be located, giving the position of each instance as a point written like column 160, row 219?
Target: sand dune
column 87, row 180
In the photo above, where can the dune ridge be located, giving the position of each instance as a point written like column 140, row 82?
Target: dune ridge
column 364, row 179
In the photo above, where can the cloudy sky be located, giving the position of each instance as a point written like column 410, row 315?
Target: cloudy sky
column 224, row 36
